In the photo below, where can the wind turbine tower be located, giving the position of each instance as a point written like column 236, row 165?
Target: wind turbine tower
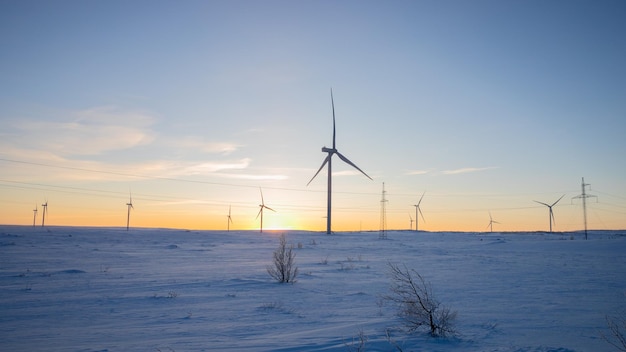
column 491, row 222
column 261, row 207
column 550, row 214
column 418, row 210
column 584, row 197
column 130, row 206
column 34, row 215
column 43, row 217
column 383, row 215
column 229, row 221
column 411, row 225
column 328, row 160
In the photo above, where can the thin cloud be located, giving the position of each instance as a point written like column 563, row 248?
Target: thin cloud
column 253, row 177
column 198, row 144
column 418, row 172
column 86, row 132
column 220, row 147
column 468, row 170
column 346, row 173
column 207, row 168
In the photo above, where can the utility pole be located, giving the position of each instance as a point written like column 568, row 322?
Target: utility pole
column 584, row 197
column 383, row 216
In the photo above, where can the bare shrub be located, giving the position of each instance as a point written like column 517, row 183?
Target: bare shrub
column 358, row 343
column 617, row 329
column 283, row 269
column 416, row 303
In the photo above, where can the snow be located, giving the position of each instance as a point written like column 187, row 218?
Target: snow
column 106, row 289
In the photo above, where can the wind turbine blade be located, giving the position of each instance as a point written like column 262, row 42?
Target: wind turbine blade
column 262, row 202
column 320, row 169
column 259, row 213
column 552, row 215
column 332, row 102
column 418, row 203
column 420, row 211
column 352, row 164
column 266, row 207
column 547, row 205
column 553, row 204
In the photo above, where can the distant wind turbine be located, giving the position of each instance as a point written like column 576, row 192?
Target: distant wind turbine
column 418, row 210
column 411, row 225
column 34, row 215
column 491, row 222
column 230, row 220
column 328, row 160
column 130, row 206
column 550, row 214
column 261, row 207
column 45, row 209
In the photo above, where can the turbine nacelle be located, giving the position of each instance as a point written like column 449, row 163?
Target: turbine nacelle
column 329, row 150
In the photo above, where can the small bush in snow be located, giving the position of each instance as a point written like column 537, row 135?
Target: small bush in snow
column 416, row 303
column 284, row 268
column 617, row 329
column 358, row 343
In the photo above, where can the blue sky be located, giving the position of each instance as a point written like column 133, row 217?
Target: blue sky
column 192, row 106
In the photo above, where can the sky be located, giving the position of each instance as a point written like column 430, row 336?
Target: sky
column 194, row 107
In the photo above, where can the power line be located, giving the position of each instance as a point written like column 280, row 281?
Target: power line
column 162, row 178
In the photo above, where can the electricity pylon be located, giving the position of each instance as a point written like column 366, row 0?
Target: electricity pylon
column 584, row 197
column 383, row 215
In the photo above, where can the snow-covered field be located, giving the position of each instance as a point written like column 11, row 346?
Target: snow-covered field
column 106, row 289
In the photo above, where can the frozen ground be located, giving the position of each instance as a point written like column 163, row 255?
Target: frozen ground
column 105, row 289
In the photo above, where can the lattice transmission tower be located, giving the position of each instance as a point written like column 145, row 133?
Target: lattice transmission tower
column 383, row 215
column 584, row 197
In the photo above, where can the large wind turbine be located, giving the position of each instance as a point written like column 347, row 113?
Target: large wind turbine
column 261, row 207
column 418, row 210
column 229, row 221
column 328, row 160
column 550, row 214
column 43, row 217
column 130, row 206
column 34, row 215
column 491, row 222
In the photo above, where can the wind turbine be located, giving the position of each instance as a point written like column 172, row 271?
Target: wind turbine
column 411, row 226
column 418, row 210
column 261, row 207
column 130, row 206
column 45, row 208
column 491, row 222
column 551, row 214
column 230, row 220
column 328, row 160
column 34, row 215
